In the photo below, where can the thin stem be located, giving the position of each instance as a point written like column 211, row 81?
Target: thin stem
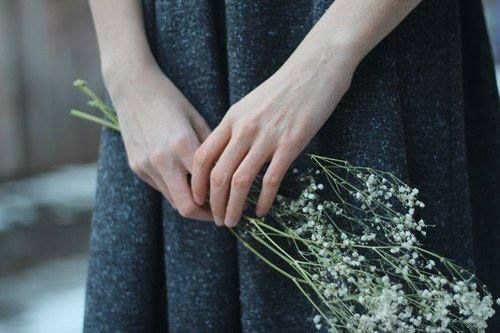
column 248, row 246
column 94, row 119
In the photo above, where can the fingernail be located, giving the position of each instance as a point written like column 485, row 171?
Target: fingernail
column 230, row 223
column 258, row 212
column 198, row 199
column 218, row 221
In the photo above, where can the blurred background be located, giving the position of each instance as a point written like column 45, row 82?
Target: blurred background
column 47, row 160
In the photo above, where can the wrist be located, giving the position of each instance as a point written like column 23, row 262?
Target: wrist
column 121, row 73
column 338, row 50
column 333, row 46
column 344, row 49
column 321, row 64
column 117, row 69
column 326, row 56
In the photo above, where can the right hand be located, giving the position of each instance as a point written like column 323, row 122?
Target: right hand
column 161, row 131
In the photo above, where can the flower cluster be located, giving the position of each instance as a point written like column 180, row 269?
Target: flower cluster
column 358, row 258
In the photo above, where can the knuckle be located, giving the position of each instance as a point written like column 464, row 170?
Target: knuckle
column 293, row 142
column 272, row 179
column 158, row 157
column 249, row 129
column 201, row 157
column 187, row 210
column 180, row 143
column 242, row 180
column 217, row 177
column 286, row 145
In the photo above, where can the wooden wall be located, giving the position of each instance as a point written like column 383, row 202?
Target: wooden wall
column 44, row 46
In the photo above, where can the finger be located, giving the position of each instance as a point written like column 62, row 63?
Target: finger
column 220, row 178
column 187, row 148
column 204, row 159
column 200, row 127
column 153, row 179
column 162, row 187
column 271, row 182
column 242, row 181
column 147, row 179
column 181, row 195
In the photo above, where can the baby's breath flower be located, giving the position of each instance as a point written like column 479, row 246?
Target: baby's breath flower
column 360, row 260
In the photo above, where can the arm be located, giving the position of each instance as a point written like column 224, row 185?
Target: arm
column 161, row 130
column 320, row 68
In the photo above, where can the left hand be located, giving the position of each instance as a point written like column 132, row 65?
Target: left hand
column 274, row 122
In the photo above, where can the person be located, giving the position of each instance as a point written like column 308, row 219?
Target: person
column 209, row 92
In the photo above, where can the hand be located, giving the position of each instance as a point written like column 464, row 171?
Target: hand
column 161, row 131
column 272, row 123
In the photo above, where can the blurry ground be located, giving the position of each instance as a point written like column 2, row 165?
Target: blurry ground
column 44, row 229
column 45, row 298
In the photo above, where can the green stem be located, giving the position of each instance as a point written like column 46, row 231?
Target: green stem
column 94, row 119
column 248, row 246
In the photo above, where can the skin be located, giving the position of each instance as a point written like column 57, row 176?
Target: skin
column 161, row 130
column 166, row 138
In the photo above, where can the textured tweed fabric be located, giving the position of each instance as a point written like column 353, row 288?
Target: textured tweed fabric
column 423, row 105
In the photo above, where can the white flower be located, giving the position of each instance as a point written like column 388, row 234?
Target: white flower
column 364, row 254
column 430, row 264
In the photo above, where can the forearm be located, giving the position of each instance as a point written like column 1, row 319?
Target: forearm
column 123, row 45
column 350, row 29
column 362, row 24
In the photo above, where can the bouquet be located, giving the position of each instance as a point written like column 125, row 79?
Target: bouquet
column 351, row 243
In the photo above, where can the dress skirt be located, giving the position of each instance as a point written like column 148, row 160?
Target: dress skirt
column 423, row 105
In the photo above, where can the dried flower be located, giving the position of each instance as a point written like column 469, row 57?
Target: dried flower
column 373, row 275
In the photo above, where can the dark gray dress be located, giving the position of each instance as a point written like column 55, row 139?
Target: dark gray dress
column 423, row 105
